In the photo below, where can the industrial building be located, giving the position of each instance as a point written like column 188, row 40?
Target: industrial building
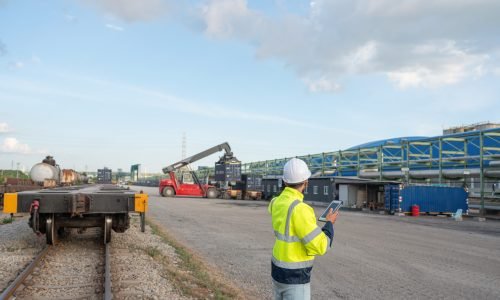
column 467, row 157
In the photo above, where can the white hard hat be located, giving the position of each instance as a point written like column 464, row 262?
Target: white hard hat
column 295, row 171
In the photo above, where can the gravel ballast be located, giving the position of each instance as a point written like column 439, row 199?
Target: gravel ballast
column 18, row 246
column 137, row 259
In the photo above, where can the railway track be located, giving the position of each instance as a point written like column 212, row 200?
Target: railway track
column 77, row 268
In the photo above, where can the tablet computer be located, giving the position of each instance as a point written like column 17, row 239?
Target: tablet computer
column 335, row 205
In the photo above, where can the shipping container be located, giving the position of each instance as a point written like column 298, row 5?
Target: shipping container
column 391, row 197
column 228, row 171
column 104, row 176
column 249, row 187
column 252, row 182
column 434, row 199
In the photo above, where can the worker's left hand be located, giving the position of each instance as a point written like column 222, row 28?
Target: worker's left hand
column 332, row 217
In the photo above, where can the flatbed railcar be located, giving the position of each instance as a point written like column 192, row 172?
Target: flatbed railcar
column 52, row 210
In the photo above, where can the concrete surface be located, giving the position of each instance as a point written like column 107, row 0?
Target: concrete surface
column 374, row 256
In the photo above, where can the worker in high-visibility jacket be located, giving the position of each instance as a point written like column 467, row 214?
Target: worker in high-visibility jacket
column 298, row 237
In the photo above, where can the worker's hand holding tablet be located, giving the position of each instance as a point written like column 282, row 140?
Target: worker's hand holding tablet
column 331, row 212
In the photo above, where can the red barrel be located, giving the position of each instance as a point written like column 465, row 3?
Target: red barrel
column 415, row 210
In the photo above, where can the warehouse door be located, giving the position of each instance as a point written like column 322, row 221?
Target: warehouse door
column 348, row 194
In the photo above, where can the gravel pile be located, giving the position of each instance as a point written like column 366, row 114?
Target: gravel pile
column 135, row 267
column 18, row 246
column 73, row 269
column 135, row 272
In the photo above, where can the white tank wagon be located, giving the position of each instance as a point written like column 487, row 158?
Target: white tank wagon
column 45, row 174
column 49, row 174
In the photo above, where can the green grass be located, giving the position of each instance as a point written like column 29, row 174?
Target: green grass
column 191, row 276
column 7, row 220
column 153, row 251
column 11, row 174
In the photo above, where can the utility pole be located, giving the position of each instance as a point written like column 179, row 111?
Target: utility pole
column 17, row 170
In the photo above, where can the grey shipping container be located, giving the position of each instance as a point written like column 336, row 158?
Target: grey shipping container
column 228, row 172
column 104, row 175
column 250, row 183
column 434, row 199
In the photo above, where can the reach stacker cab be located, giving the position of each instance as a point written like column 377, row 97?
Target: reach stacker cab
column 227, row 166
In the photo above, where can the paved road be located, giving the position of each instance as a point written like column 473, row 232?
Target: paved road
column 374, row 256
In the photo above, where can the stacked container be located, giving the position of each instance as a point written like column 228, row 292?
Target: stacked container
column 104, row 175
column 391, row 197
column 228, row 171
column 252, row 182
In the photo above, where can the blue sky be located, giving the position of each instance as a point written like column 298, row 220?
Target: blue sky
column 113, row 83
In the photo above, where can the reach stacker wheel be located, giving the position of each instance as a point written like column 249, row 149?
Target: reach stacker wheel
column 168, row 192
column 51, row 232
column 108, row 222
column 211, row 193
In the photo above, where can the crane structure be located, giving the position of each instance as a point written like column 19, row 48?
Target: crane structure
column 171, row 187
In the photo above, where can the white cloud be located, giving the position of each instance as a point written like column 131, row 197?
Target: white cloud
column 361, row 57
column 4, row 127
column 228, row 18
column 12, row 145
column 131, row 10
column 322, row 85
column 414, row 43
column 114, row 27
column 454, row 66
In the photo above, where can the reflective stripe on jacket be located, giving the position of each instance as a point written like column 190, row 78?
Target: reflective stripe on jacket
column 298, row 237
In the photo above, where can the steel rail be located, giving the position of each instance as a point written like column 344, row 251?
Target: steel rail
column 11, row 289
column 107, row 275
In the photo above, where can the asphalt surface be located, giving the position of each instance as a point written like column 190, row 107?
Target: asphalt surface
column 374, row 256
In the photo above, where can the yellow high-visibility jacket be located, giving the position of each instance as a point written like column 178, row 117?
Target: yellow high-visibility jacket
column 298, row 237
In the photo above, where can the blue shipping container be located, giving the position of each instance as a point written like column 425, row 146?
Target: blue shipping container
column 391, row 197
column 434, row 199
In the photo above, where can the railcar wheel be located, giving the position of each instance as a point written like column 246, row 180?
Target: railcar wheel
column 108, row 222
column 50, row 233
column 168, row 192
column 35, row 218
